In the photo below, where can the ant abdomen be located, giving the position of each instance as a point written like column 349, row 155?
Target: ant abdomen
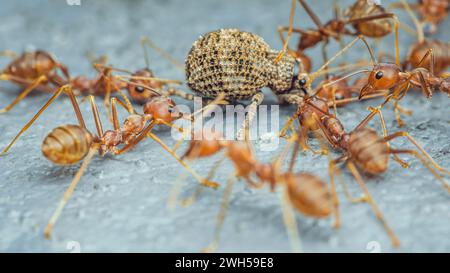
column 67, row 144
column 309, row 194
column 370, row 152
column 374, row 28
column 441, row 53
column 31, row 65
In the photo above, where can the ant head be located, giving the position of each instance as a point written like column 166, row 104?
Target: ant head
column 205, row 143
column 133, row 124
column 162, row 108
column 137, row 91
column 309, row 194
column 382, row 76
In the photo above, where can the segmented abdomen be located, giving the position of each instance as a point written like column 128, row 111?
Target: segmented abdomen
column 67, row 144
column 441, row 53
column 370, row 152
column 31, row 65
column 229, row 61
column 374, row 28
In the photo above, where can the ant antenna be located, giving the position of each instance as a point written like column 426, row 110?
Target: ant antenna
column 314, row 75
column 345, row 77
column 146, row 41
column 289, row 34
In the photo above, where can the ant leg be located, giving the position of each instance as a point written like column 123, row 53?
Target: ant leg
column 283, row 29
column 382, row 16
column 98, row 122
column 355, row 99
column 315, row 74
column 68, row 90
column 115, row 117
column 203, row 181
column 290, row 222
column 146, row 41
column 190, row 200
column 377, row 111
column 311, row 14
column 137, row 139
column 69, row 191
column 221, row 216
column 417, row 23
column 107, row 76
column 425, row 163
column 325, row 56
column 397, row 110
column 286, row 42
column 179, row 93
column 286, row 126
column 347, row 194
column 331, row 172
column 415, row 143
column 375, row 209
column 257, row 99
column 8, row 53
column 24, row 93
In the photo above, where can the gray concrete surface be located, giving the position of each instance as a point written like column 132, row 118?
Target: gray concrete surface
column 120, row 204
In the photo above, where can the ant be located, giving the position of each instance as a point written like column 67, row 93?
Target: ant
column 433, row 12
column 361, row 147
column 368, row 20
column 303, row 191
column 418, row 50
column 69, row 144
column 39, row 70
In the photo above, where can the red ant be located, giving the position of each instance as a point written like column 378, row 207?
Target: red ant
column 368, row 20
column 361, row 147
column 433, row 12
column 39, row 70
column 304, row 191
column 70, row 144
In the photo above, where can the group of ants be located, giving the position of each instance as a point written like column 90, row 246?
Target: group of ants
column 363, row 149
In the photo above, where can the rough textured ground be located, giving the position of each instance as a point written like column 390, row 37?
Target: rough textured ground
column 120, row 204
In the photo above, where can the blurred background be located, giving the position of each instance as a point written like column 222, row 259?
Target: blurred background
column 121, row 202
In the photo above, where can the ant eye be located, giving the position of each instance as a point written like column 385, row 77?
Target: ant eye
column 302, row 82
column 139, row 89
column 379, row 75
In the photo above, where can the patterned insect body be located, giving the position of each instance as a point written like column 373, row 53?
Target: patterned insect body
column 67, row 144
column 238, row 64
